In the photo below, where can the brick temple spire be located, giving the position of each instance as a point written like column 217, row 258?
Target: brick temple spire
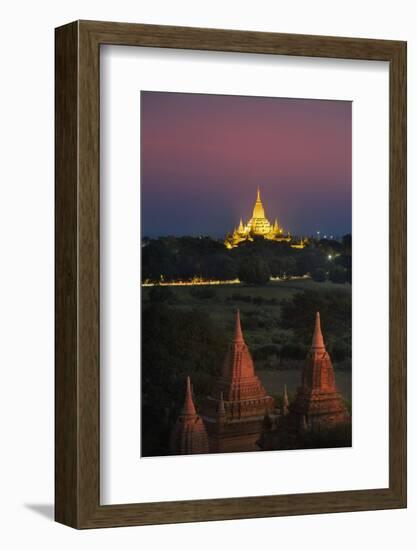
column 319, row 374
column 242, row 397
column 318, row 399
column 238, row 337
column 189, row 435
column 317, row 343
column 189, row 407
column 238, row 370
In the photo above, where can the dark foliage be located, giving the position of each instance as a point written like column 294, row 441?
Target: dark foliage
column 319, row 275
column 337, row 436
column 183, row 258
column 294, row 350
column 257, row 300
column 235, row 297
column 310, row 260
column 203, row 293
column 299, row 315
column 263, row 352
column 338, row 274
column 160, row 294
column 175, row 344
column 254, row 271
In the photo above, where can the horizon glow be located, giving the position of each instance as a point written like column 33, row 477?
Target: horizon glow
column 203, row 157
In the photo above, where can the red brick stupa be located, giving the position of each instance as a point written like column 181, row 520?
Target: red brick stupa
column 235, row 411
column 318, row 403
column 189, row 435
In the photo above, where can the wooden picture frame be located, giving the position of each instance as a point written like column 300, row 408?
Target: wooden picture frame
column 77, row 404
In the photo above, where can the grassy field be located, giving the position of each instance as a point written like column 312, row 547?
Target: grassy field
column 260, row 308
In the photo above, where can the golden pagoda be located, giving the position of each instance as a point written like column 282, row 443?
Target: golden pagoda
column 257, row 226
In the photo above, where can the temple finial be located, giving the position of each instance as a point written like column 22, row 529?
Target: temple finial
column 258, row 210
column 238, row 329
column 318, row 342
column 188, row 408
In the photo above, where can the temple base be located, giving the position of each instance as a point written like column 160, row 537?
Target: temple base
column 234, row 436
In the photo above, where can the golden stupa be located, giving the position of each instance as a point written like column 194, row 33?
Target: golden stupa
column 258, row 226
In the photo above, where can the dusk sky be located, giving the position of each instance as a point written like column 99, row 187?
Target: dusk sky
column 203, row 157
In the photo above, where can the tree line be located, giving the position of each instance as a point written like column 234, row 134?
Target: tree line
column 253, row 262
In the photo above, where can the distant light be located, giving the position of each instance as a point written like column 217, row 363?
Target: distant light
column 329, row 257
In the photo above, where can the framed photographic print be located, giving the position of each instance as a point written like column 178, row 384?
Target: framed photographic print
column 230, row 274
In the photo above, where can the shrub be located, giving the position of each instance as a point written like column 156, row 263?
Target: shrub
column 203, row 293
column 264, row 352
column 241, row 298
column 254, row 271
column 338, row 275
column 161, row 294
column 318, row 275
column 293, row 351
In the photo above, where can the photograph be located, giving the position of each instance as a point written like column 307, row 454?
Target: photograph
column 208, row 275
column 246, row 273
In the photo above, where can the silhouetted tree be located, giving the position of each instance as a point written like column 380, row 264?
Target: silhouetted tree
column 254, row 271
column 338, row 274
column 318, row 275
column 175, row 344
column 335, row 307
column 183, row 258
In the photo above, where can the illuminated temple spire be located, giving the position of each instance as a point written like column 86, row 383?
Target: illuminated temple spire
column 258, row 210
column 259, row 226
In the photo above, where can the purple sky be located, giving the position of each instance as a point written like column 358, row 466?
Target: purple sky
column 203, row 157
